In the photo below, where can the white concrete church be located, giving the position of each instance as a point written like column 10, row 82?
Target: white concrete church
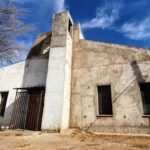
column 69, row 82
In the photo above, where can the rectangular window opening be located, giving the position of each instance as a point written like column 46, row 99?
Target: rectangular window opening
column 69, row 26
column 104, row 100
column 145, row 94
column 3, row 100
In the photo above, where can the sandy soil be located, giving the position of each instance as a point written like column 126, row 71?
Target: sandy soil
column 71, row 140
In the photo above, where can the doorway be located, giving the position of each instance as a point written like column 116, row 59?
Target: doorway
column 28, row 109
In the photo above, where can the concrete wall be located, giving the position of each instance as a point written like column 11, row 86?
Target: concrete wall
column 96, row 63
column 10, row 77
column 57, row 98
column 35, row 72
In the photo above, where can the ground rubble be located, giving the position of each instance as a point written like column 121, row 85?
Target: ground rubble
column 72, row 139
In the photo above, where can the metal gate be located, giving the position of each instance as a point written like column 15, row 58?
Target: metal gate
column 28, row 109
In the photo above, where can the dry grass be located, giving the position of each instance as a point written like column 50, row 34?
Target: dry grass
column 18, row 134
column 138, row 141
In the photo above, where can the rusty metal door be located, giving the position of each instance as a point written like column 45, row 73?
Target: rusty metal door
column 35, row 110
column 28, row 110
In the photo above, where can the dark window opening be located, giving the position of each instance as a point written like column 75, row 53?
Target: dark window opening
column 104, row 100
column 3, row 100
column 145, row 93
column 69, row 26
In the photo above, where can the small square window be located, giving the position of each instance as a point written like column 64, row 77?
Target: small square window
column 104, row 100
column 145, row 94
column 3, row 100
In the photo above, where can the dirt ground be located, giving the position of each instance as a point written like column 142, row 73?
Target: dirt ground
column 71, row 140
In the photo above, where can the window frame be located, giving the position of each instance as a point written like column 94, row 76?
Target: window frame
column 97, row 101
column 142, row 102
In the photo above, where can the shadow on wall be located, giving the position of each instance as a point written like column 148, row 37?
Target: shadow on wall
column 36, row 64
column 14, row 116
column 137, row 72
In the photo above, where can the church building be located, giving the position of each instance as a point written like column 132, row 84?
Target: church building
column 70, row 82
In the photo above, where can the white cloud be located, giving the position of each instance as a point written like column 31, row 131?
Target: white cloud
column 106, row 15
column 137, row 30
column 56, row 5
column 60, row 5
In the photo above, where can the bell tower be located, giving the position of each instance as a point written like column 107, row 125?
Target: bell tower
column 56, row 111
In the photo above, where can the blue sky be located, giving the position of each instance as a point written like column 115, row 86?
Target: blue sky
column 125, row 22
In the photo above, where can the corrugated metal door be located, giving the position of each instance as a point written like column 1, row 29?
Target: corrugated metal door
column 35, row 110
column 28, row 110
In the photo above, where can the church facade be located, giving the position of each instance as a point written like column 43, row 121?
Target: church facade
column 69, row 82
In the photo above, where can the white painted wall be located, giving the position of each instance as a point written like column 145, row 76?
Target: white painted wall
column 67, row 85
column 57, row 98
column 10, row 77
column 29, row 74
column 54, row 90
column 56, row 112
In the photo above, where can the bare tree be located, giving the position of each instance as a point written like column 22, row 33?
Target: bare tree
column 11, row 26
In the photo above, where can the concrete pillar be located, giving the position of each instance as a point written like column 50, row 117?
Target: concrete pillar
column 56, row 111
column 77, row 33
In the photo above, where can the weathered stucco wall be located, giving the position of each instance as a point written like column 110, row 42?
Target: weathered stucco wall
column 35, row 72
column 96, row 63
column 10, row 77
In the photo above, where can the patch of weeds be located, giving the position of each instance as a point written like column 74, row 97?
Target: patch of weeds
column 18, row 134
